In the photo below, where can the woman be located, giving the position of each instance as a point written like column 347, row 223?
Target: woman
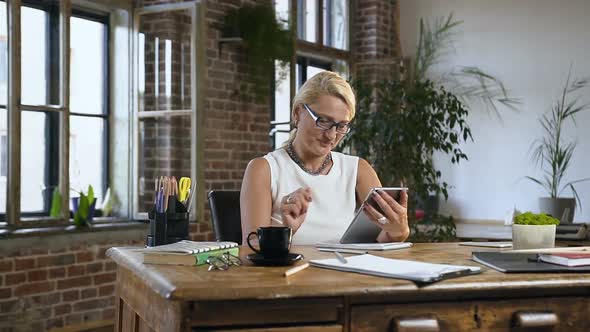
column 306, row 186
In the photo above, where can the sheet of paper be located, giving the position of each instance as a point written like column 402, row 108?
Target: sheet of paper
column 396, row 268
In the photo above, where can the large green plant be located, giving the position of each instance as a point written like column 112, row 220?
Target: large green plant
column 265, row 39
column 411, row 123
column 403, row 120
column 551, row 151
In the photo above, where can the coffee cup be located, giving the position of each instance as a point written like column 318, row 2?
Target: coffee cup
column 273, row 241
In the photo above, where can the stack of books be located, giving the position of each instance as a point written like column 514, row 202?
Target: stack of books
column 566, row 258
column 188, row 252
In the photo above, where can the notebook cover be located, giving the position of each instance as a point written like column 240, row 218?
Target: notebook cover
column 520, row 263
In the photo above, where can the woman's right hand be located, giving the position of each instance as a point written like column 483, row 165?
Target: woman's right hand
column 294, row 207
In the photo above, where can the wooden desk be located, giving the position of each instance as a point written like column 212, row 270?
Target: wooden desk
column 248, row 298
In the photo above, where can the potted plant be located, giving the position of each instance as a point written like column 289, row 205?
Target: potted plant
column 55, row 211
column 83, row 207
column 404, row 119
column 554, row 154
column 533, row 231
column 264, row 38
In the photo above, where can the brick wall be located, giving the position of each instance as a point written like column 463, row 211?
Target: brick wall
column 236, row 125
column 375, row 41
column 44, row 288
column 165, row 142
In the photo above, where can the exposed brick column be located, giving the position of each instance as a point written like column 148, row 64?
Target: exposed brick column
column 375, row 38
column 236, row 123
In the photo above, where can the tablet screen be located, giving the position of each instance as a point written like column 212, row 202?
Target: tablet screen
column 361, row 229
column 394, row 192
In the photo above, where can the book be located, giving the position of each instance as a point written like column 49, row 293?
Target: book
column 396, row 268
column 364, row 246
column 520, row 262
column 566, row 258
column 187, row 252
column 190, row 247
column 490, row 244
column 175, row 258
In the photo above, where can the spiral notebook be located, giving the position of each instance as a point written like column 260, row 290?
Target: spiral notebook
column 396, row 268
column 190, row 247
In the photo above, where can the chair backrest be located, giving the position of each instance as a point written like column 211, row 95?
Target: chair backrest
column 225, row 215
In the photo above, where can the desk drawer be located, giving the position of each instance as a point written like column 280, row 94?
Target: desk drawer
column 572, row 314
column 318, row 328
column 307, row 311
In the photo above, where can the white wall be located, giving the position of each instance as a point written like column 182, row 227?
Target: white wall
column 530, row 45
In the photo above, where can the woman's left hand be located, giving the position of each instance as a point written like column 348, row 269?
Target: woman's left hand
column 394, row 219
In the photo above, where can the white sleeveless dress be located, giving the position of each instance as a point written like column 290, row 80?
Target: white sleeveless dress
column 333, row 195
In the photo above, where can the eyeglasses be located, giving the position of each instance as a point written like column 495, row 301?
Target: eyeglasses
column 341, row 127
column 223, row 262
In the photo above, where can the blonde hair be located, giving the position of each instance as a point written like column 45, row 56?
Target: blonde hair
column 324, row 83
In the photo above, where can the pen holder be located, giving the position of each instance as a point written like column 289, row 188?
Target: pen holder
column 170, row 226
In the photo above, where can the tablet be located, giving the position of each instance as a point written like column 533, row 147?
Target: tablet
column 361, row 229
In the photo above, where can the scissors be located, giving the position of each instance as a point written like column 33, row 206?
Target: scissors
column 184, row 186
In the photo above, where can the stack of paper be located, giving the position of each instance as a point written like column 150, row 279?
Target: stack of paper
column 364, row 246
column 396, row 268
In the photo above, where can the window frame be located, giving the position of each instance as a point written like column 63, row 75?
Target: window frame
column 104, row 19
column 308, row 53
column 56, row 108
column 198, row 76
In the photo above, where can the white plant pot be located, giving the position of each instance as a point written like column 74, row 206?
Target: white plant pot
column 533, row 236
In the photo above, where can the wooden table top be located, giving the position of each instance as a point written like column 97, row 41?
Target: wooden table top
column 248, row 282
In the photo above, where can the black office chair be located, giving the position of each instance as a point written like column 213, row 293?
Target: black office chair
column 225, row 215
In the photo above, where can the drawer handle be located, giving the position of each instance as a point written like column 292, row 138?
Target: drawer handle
column 535, row 319
column 416, row 324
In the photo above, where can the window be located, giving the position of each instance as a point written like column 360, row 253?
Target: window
column 335, row 14
column 42, row 110
column 322, row 44
column 166, row 99
column 89, row 103
column 307, row 20
column 3, row 113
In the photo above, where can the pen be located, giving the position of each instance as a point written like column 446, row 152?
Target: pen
column 277, row 220
column 296, row 269
column 340, row 257
column 346, row 251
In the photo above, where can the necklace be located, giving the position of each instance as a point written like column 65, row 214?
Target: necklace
column 295, row 158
